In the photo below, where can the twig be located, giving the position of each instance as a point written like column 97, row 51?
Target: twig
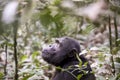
column 15, row 50
column 110, row 42
column 5, row 68
column 116, row 31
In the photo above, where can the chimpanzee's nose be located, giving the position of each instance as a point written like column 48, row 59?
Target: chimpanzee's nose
column 45, row 51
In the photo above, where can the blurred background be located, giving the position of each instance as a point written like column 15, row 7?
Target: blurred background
column 26, row 25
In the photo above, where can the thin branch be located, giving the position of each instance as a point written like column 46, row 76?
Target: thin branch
column 15, row 50
column 116, row 31
column 5, row 67
column 110, row 42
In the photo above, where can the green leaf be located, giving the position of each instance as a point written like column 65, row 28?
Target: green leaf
column 59, row 68
column 115, row 50
column 45, row 17
column 80, row 62
column 56, row 2
column 1, row 75
column 118, row 41
column 37, row 63
column 27, row 76
column 85, row 64
column 79, row 76
column 88, row 29
column 117, row 59
column 34, row 54
column 118, row 77
column 23, row 58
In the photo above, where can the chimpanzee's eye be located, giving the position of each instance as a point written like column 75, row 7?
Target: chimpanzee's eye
column 57, row 41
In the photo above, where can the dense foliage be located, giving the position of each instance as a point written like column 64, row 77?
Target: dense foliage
column 26, row 25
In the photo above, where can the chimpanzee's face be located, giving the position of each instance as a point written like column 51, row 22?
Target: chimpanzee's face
column 58, row 51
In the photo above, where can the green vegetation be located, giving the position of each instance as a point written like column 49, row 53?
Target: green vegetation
column 33, row 23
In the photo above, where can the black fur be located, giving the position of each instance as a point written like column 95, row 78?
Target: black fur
column 62, row 54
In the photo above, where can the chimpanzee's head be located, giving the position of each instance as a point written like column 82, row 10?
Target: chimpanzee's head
column 62, row 49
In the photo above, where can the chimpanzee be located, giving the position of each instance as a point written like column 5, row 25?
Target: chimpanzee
column 63, row 54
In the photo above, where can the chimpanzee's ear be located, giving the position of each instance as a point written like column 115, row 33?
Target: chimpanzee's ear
column 72, row 52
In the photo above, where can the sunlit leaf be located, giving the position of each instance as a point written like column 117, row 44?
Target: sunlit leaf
column 35, row 54
column 79, row 76
column 56, row 2
column 27, row 76
column 24, row 57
